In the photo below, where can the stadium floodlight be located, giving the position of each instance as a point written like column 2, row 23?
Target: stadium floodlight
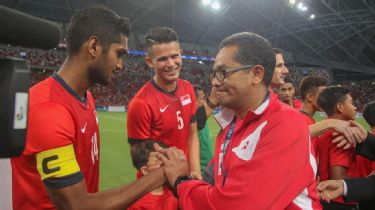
column 206, row 2
column 300, row 5
column 304, row 8
column 312, row 16
column 292, row 2
column 215, row 5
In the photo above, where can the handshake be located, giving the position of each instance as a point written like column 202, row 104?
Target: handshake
column 174, row 163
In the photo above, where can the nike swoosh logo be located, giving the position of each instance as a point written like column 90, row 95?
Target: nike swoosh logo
column 163, row 109
column 83, row 130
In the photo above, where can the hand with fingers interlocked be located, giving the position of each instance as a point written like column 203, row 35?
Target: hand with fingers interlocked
column 174, row 162
column 348, row 133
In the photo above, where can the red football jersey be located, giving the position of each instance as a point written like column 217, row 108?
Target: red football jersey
column 330, row 155
column 58, row 118
column 267, row 164
column 297, row 104
column 365, row 166
column 166, row 201
column 158, row 115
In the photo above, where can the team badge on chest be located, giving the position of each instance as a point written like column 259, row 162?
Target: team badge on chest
column 185, row 100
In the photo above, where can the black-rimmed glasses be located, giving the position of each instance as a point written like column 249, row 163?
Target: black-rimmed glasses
column 220, row 75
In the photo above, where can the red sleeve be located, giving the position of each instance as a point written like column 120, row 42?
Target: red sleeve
column 50, row 125
column 139, row 120
column 278, row 171
column 338, row 156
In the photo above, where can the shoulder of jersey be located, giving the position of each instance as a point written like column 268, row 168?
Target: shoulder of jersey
column 40, row 92
column 145, row 89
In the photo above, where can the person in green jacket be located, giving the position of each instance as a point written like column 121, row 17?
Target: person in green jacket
column 205, row 106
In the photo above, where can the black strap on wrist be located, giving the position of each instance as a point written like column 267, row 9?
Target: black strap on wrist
column 178, row 181
column 210, row 104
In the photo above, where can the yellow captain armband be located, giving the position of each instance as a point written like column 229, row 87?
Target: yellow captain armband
column 58, row 165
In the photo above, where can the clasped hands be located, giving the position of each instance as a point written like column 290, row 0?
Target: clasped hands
column 173, row 161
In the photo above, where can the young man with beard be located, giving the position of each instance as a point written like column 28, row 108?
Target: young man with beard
column 262, row 158
column 59, row 168
column 164, row 108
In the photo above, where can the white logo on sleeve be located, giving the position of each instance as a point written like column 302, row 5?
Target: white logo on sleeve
column 163, row 109
column 83, row 129
column 247, row 146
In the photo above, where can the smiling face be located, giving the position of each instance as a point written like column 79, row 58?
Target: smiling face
column 165, row 59
column 101, row 71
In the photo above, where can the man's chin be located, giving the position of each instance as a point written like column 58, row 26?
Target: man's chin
column 172, row 78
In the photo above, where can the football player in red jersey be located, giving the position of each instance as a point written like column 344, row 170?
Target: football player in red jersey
column 59, row 167
column 336, row 163
column 161, row 198
column 164, row 108
column 286, row 93
column 310, row 88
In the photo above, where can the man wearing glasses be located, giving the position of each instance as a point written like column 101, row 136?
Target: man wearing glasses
column 262, row 158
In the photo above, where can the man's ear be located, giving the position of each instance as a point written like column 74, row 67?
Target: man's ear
column 339, row 107
column 258, row 72
column 144, row 170
column 94, row 46
column 149, row 62
column 309, row 97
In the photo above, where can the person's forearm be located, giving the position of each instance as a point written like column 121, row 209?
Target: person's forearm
column 75, row 197
column 194, row 154
column 320, row 127
column 125, row 196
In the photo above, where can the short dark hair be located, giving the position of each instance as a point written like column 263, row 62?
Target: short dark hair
column 288, row 80
column 277, row 51
column 310, row 84
column 141, row 152
column 252, row 49
column 159, row 35
column 369, row 113
column 96, row 21
column 330, row 97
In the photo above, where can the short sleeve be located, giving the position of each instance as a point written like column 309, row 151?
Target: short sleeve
column 58, row 167
column 338, row 156
column 50, row 125
column 139, row 120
